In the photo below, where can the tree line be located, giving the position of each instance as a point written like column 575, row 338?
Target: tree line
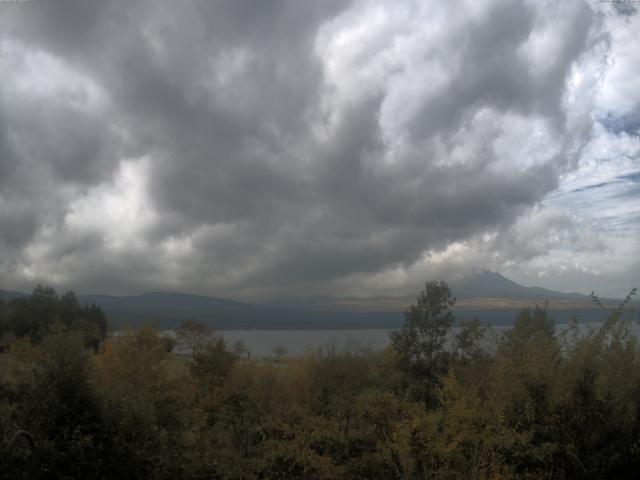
column 45, row 312
column 438, row 403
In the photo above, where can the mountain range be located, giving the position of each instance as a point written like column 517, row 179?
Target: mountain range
column 488, row 296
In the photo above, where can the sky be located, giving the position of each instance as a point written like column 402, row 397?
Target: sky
column 302, row 150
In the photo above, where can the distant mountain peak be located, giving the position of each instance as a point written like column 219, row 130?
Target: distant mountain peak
column 488, row 275
column 491, row 284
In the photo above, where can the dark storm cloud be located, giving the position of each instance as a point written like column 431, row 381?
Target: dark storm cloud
column 259, row 166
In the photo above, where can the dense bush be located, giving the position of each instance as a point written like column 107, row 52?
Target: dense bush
column 530, row 403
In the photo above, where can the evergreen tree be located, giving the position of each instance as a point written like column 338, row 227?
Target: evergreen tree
column 421, row 340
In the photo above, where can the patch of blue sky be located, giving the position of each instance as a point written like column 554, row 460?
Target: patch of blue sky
column 628, row 123
column 614, row 203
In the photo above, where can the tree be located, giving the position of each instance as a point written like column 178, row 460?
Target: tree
column 279, row 351
column 55, row 401
column 35, row 315
column 69, row 309
column 3, row 321
column 169, row 343
column 44, row 313
column 421, row 340
column 241, row 349
column 530, row 326
column 92, row 323
column 193, row 334
column 212, row 362
column 142, row 407
column 469, row 341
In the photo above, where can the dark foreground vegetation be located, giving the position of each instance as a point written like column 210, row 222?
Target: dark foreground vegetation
column 528, row 403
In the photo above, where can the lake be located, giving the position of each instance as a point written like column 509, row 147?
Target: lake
column 296, row 342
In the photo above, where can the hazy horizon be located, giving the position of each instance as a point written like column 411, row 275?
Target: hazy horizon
column 469, row 297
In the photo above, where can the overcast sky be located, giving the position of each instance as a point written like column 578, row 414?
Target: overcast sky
column 272, row 150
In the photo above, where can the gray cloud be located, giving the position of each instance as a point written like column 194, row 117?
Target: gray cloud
column 278, row 149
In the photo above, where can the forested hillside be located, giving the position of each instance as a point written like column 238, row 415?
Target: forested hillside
column 527, row 403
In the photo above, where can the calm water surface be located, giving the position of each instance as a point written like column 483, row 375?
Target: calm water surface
column 261, row 343
column 297, row 342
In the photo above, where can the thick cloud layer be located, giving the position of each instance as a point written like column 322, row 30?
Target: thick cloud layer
column 299, row 150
